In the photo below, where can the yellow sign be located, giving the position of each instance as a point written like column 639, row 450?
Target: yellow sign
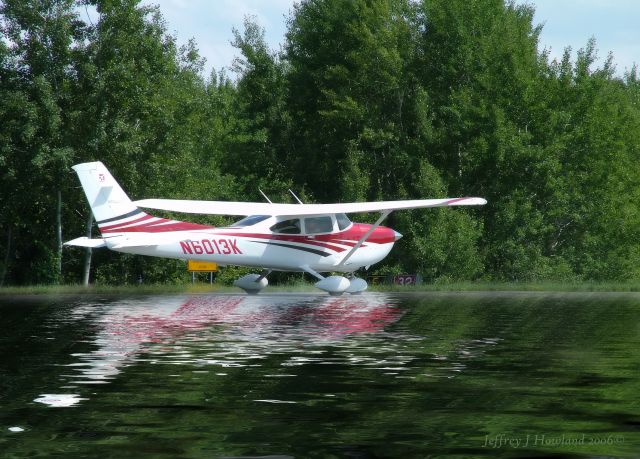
column 201, row 266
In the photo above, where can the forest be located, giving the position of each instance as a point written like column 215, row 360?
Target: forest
column 365, row 100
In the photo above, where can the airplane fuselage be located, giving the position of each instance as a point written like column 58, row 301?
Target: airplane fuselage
column 251, row 248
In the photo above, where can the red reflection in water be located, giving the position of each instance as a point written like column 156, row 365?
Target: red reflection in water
column 326, row 318
column 194, row 314
column 345, row 316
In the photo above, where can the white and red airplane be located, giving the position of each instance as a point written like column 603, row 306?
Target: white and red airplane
column 312, row 238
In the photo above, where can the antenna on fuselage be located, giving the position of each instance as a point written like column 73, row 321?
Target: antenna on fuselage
column 265, row 196
column 294, row 195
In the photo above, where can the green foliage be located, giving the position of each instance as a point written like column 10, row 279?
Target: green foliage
column 369, row 99
column 256, row 138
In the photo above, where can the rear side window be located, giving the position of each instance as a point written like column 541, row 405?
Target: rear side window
column 343, row 221
column 249, row 221
column 315, row 225
column 287, row 226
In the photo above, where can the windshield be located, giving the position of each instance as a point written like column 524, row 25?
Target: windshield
column 249, row 221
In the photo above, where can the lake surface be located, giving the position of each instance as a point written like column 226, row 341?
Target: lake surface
column 312, row 376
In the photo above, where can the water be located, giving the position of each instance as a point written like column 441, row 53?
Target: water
column 312, row 376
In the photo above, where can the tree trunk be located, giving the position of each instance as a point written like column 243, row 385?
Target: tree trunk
column 88, row 253
column 5, row 267
column 59, row 235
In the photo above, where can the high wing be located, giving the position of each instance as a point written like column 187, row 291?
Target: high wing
column 262, row 208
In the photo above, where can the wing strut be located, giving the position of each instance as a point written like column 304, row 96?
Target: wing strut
column 385, row 214
column 307, row 269
column 296, row 197
column 265, row 196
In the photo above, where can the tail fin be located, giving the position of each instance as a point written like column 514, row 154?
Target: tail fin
column 114, row 212
column 109, row 203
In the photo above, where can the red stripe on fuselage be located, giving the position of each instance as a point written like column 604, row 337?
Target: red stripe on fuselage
column 381, row 235
column 155, row 227
column 349, row 237
column 130, row 222
column 290, row 238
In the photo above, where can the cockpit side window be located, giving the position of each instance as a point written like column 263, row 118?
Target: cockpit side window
column 343, row 221
column 291, row 226
column 316, row 225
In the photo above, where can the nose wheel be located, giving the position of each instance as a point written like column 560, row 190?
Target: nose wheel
column 337, row 285
column 357, row 286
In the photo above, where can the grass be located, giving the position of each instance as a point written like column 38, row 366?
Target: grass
column 149, row 289
column 542, row 286
column 144, row 289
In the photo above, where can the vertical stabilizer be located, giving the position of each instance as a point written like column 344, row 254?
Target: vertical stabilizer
column 113, row 210
column 107, row 199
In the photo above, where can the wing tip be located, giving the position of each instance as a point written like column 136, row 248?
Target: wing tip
column 472, row 201
column 466, row 201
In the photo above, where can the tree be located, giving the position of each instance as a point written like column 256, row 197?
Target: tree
column 362, row 121
column 598, row 149
column 256, row 147
column 481, row 68
column 40, row 34
column 348, row 93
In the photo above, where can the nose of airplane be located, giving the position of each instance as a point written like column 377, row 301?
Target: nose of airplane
column 396, row 236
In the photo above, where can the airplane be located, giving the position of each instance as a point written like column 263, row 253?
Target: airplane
column 311, row 238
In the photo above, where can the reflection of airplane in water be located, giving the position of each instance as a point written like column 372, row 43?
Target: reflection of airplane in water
column 321, row 318
column 283, row 317
column 213, row 333
column 218, row 330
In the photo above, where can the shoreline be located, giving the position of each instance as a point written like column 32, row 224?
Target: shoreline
column 202, row 288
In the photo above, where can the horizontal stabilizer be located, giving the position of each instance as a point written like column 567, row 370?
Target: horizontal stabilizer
column 86, row 242
column 145, row 240
column 263, row 208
